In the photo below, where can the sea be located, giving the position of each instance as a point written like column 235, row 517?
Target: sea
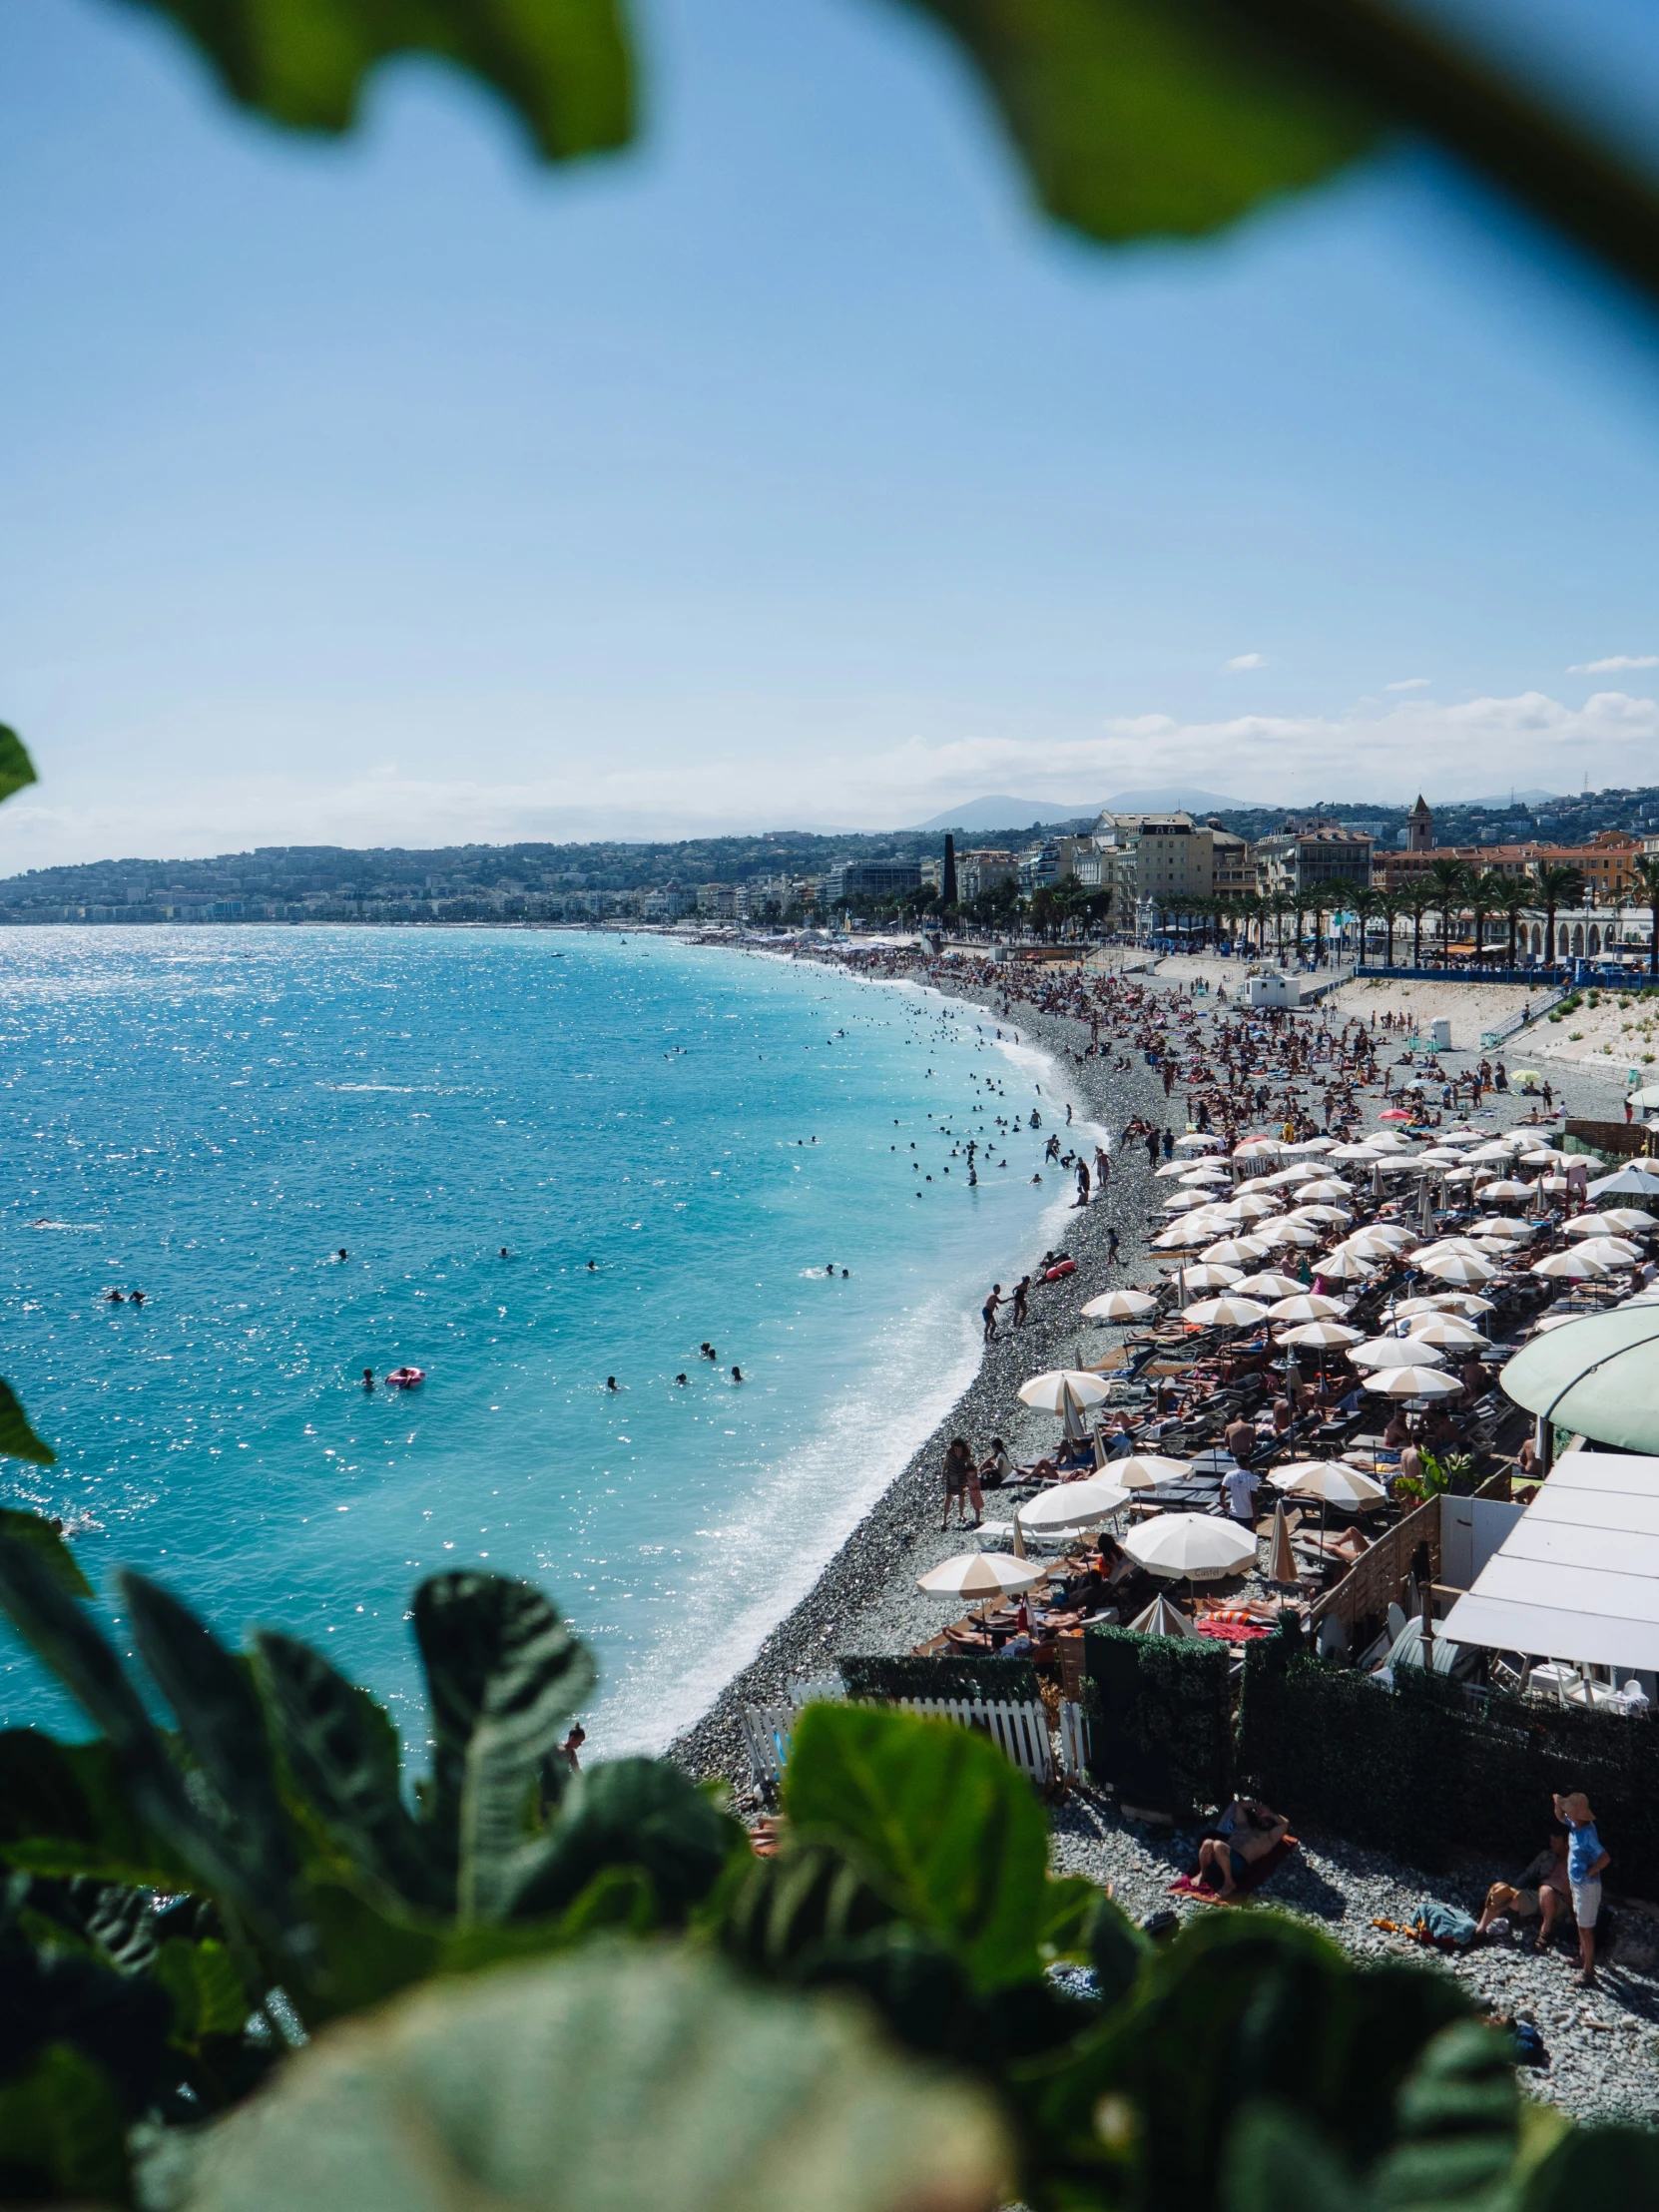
column 682, row 1238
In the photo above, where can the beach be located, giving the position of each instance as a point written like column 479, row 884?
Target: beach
column 1604, row 2056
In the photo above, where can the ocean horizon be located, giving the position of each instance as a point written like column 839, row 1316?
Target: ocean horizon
column 676, row 1145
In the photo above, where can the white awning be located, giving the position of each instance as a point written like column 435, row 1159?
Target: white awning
column 1577, row 1578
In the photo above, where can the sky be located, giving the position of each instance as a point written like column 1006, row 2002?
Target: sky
column 785, row 471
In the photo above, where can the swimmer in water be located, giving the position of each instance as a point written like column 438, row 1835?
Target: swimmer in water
column 136, row 1296
column 593, row 1267
column 503, row 1252
column 340, row 1254
column 368, row 1379
column 610, row 1383
column 708, row 1352
column 737, row 1374
column 680, row 1379
column 113, row 1298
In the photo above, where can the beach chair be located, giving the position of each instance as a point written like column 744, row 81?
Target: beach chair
column 768, row 1732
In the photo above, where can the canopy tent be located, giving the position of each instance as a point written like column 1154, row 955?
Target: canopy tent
column 1597, row 1379
column 1577, row 1578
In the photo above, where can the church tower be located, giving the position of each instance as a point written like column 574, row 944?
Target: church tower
column 1420, row 828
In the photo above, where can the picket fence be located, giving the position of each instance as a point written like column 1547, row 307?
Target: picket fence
column 1021, row 1731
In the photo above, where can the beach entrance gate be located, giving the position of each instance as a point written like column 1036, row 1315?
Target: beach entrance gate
column 1021, row 1731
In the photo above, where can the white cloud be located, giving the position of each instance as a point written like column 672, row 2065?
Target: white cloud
column 1248, row 660
column 1613, row 663
column 1370, row 752
column 1410, row 683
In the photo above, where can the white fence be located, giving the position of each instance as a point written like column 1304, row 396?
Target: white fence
column 1021, row 1731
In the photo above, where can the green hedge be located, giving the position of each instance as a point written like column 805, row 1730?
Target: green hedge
column 1431, row 1770
column 1160, row 1720
column 885, row 1681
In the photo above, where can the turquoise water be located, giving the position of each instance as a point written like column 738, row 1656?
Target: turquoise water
column 212, row 1115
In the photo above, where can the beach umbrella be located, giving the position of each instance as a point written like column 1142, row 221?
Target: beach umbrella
column 1524, row 1078
column 1458, row 1267
column 1329, row 1189
column 1420, row 1382
column 1189, row 1546
column 1252, row 1205
column 1258, row 1148
column 1206, row 1274
column 1145, row 1472
column 1398, row 1113
column 1268, row 1284
column 1066, row 1391
column 1569, row 1266
column 1120, row 1306
column 1612, row 1251
column 1312, row 1145
column 1226, row 1313
column 1627, row 1220
column 1498, row 1225
column 1204, row 1177
column 1396, row 1351
column 1559, row 1182
column 1506, row 1187
column 1185, row 1202
column 1301, row 1304
column 1355, row 1152
column 1334, row 1484
column 1298, row 1171
column 1161, row 1618
column 1285, row 1231
column 1321, row 1336
column 1391, row 1234
column 1439, row 1156
column 1324, row 1217
column 1648, row 1096
column 1497, row 1148
column 1388, row 1140
column 1344, row 1266
column 1171, row 1168
column 1072, row 1505
column 979, row 1574
column 1234, row 1251
column 1282, row 1566
column 1185, row 1234
column 1603, row 1225
column 1198, row 1140
column 1448, row 1331
column 1637, row 1180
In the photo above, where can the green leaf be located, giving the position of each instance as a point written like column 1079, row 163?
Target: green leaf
column 62, row 2133
column 595, row 2083
column 339, row 1760
column 630, row 1813
column 563, row 65
column 941, row 1817
column 17, row 1439
column 65, row 1809
column 1276, row 2162
column 503, row 1674
column 220, row 1716
column 1596, row 2166
column 16, row 769
column 206, row 1989
column 1153, row 118
column 369, row 1951
column 1071, row 1905
column 65, row 1639
column 1460, row 2122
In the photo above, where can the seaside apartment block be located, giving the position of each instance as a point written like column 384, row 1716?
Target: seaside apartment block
column 1604, row 862
column 1323, row 861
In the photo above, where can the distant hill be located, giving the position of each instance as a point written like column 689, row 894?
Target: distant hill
column 1173, row 798
column 1005, row 814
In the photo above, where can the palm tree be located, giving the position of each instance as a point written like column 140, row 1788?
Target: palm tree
column 1278, row 906
column 1366, row 904
column 1645, row 882
column 1511, row 895
column 1393, row 907
column 1553, row 887
column 1449, row 884
column 1415, row 900
column 1485, row 896
column 1300, row 901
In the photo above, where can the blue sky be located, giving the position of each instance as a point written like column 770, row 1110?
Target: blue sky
column 787, row 471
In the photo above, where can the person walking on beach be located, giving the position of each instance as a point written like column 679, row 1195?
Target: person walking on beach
column 987, row 1312
column 1082, row 1184
column 961, row 1482
column 1022, row 1291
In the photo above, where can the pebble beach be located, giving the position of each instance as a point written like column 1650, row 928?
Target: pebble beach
column 1603, row 2043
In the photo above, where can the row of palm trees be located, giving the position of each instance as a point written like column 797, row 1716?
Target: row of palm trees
column 1452, row 889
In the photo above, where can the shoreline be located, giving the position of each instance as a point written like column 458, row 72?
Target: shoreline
column 873, row 1571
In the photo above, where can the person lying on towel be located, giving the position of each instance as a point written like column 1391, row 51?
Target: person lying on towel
column 1248, row 1831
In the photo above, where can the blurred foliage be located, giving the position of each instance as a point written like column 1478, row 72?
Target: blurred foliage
column 522, row 1985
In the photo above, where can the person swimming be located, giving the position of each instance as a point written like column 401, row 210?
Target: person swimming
column 135, row 1297
column 680, row 1379
column 113, row 1298
column 368, row 1379
column 737, row 1374
column 610, row 1383
column 593, row 1267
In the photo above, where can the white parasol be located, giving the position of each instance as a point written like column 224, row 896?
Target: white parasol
column 1189, row 1546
